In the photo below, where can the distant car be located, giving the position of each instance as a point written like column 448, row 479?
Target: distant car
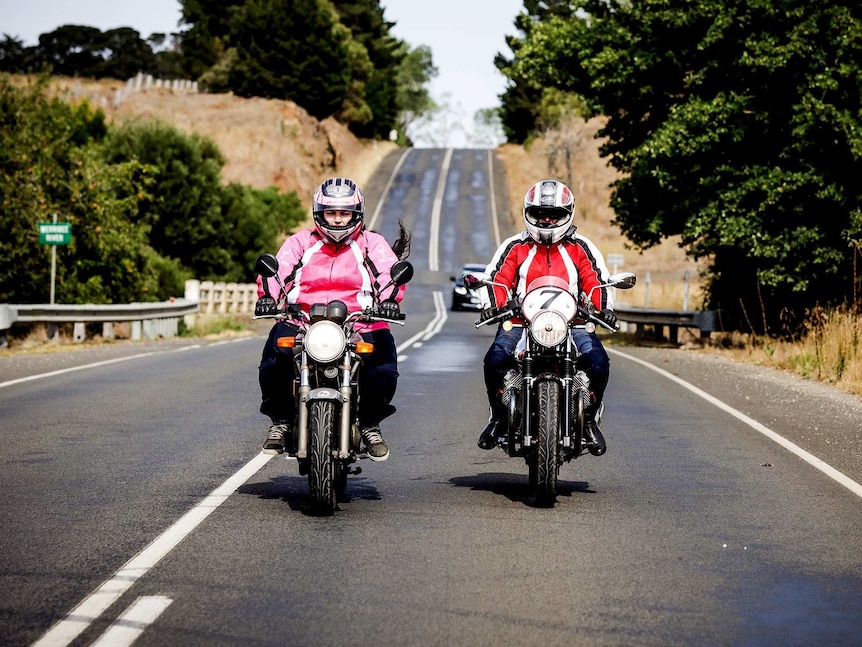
column 462, row 298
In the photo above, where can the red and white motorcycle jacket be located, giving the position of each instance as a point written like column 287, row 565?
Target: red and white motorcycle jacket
column 316, row 270
column 575, row 259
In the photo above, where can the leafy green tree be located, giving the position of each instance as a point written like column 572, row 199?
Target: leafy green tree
column 126, row 54
column 204, row 40
column 71, row 50
column 277, row 49
column 369, row 29
column 50, row 164
column 332, row 57
column 182, row 207
column 16, row 58
column 736, row 126
column 209, row 229
column 412, row 98
column 519, row 103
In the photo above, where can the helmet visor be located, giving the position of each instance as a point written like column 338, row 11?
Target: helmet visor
column 545, row 217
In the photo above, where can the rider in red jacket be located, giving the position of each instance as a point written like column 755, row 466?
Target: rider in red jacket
column 338, row 259
column 548, row 246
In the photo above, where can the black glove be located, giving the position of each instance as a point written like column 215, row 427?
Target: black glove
column 608, row 317
column 389, row 309
column 488, row 313
column 265, row 306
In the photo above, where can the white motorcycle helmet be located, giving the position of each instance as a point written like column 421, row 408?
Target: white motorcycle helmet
column 549, row 208
column 342, row 194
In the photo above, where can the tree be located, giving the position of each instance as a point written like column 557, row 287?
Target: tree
column 50, row 164
column 412, row 98
column 487, row 130
column 212, row 231
column 370, row 30
column 736, row 126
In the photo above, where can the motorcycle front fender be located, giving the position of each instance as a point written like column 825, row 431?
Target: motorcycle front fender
column 323, row 393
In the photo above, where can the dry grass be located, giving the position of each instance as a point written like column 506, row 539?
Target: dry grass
column 830, row 352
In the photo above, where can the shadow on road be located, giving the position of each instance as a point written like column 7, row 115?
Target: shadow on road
column 516, row 487
column 293, row 490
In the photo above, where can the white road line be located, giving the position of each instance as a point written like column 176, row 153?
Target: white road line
column 30, row 378
column 386, row 189
column 433, row 326
column 434, row 242
column 812, row 460
column 116, row 360
column 134, row 621
column 493, row 197
column 79, row 618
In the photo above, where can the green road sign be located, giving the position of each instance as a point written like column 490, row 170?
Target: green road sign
column 55, row 233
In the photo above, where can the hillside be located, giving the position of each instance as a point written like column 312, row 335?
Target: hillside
column 270, row 142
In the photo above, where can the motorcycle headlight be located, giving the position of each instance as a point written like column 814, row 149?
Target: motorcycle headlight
column 549, row 328
column 324, row 341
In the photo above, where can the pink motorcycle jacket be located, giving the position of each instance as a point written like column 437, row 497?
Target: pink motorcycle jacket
column 316, row 270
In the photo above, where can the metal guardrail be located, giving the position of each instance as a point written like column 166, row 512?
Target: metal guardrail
column 161, row 319
column 149, row 320
column 706, row 321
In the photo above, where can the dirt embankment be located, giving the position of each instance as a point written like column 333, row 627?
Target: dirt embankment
column 265, row 142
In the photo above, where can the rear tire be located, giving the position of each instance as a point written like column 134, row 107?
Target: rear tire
column 321, row 465
column 547, row 446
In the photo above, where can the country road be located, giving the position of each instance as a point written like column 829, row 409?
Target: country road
column 137, row 508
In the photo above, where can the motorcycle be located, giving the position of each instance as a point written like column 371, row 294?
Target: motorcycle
column 546, row 396
column 328, row 353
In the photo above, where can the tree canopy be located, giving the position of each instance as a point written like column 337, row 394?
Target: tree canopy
column 335, row 58
column 736, row 125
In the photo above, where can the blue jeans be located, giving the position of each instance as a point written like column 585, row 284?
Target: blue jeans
column 593, row 360
column 378, row 377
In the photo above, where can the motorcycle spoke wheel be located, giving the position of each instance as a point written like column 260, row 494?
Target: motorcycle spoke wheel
column 547, row 447
column 321, row 465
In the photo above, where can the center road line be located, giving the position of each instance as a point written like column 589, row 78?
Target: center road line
column 812, row 460
column 434, row 240
column 134, row 621
column 94, row 605
column 431, row 329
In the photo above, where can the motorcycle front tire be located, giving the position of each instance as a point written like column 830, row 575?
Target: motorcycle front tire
column 321, row 465
column 547, row 466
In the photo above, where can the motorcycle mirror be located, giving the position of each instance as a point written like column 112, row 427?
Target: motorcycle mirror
column 623, row 280
column 266, row 265
column 401, row 273
column 471, row 281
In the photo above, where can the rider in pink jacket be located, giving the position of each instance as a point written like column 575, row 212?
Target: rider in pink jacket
column 338, row 259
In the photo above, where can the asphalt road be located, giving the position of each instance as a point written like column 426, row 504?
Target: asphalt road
column 696, row 528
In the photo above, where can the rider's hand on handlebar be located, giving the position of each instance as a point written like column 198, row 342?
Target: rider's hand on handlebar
column 389, row 309
column 265, row 306
column 608, row 317
column 488, row 313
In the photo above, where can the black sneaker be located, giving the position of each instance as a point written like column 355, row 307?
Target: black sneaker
column 488, row 438
column 274, row 443
column 374, row 443
column 593, row 438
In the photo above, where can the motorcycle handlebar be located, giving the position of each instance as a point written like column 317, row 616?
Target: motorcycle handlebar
column 302, row 316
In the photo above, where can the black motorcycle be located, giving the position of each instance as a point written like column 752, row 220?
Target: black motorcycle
column 328, row 354
column 546, row 396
